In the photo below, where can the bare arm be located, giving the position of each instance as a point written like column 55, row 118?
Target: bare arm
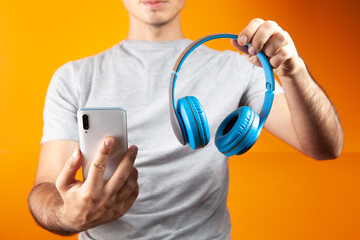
column 313, row 121
column 44, row 199
column 64, row 205
column 305, row 117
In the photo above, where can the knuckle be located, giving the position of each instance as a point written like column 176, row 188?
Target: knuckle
column 286, row 36
column 290, row 61
column 285, row 53
column 98, row 166
column 256, row 44
column 269, row 51
column 106, row 205
column 86, row 197
column 280, row 36
column 267, row 25
column 131, row 185
column 257, row 20
column 274, row 62
column 128, row 187
column 121, row 179
column 271, row 23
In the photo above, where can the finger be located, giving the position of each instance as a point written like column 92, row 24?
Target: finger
column 128, row 187
column 252, row 59
column 284, row 54
column 242, row 49
column 123, row 171
column 131, row 199
column 68, row 173
column 249, row 31
column 274, row 44
column 262, row 35
column 117, row 207
column 98, row 164
column 125, row 205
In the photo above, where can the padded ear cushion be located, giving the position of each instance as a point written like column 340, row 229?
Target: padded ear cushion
column 249, row 139
column 195, row 121
column 237, row 131
column 197, row 107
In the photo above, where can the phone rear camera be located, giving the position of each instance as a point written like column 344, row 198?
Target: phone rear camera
column 85, row 119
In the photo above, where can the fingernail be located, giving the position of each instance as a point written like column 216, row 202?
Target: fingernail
column 243, row 39
column 109, row 142
column 252, row 51
column 75, row 154
column 134, row 150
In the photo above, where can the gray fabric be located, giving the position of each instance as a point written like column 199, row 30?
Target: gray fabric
column 183, row 193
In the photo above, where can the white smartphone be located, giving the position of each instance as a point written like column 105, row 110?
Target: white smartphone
column 94, row 125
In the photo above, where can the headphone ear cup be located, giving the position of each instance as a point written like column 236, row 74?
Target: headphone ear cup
column 238, row 131
column 195, row 121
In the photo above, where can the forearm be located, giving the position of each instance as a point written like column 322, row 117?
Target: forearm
column 315, row 121
column 44, row 202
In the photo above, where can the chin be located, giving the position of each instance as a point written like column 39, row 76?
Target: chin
column 158, row 23
column 158, row 19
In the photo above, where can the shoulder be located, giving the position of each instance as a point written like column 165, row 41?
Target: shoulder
column 75, row 66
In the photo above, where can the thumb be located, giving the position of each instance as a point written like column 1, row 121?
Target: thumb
column 67, row 175
column 243, row 49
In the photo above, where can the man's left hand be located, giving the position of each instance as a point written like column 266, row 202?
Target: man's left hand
column 269, row 37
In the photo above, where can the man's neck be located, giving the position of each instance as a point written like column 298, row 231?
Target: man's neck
column 142, row 31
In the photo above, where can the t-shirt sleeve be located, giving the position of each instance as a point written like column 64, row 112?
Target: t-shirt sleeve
column 254, row 93
column 61, row 105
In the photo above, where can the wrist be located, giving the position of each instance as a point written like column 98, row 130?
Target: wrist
column 45, row 203
column 64, row 225
column 298, row 72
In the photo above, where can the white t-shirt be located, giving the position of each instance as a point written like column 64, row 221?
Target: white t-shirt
column 182, row 193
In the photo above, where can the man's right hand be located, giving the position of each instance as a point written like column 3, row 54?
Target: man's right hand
column 96, row 201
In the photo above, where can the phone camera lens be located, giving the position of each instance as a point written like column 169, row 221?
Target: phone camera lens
column 85, row 119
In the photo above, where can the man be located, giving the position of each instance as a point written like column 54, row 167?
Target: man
column 182, row 192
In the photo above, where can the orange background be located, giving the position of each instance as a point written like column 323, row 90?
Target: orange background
column 275, row 192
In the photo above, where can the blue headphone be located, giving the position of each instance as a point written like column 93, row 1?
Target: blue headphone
column 238, row 131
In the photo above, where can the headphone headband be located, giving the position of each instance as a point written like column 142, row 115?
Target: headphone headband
column 269, row 85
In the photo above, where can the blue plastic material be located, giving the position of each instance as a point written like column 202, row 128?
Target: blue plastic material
column 201, row 118
column 195, row 122
column 249, row 140
column 229, row 140
column 244, row 117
